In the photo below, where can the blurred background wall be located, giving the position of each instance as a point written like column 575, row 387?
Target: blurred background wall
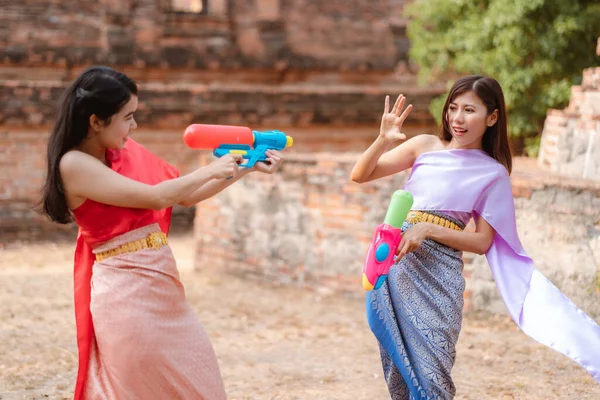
column 318, row 70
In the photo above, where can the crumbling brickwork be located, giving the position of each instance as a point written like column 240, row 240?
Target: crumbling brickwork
column 304, row 34
column 571, row 137
column 311, row 225
column 317, row 70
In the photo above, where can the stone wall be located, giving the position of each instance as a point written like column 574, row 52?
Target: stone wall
column 571, row 137
column 310, row 224
column 307, row 223
column 233, row 34
column 317, row 70
column 176, row 105
column 334, row 118
column 22, row 163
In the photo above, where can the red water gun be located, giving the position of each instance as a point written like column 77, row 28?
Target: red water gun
column 228, row 139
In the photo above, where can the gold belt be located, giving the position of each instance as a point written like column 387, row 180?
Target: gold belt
column 414, row 217
column 152, row 241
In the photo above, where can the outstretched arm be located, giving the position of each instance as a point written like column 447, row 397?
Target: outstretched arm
column 211, row 188
column 85, row 177
column 274, row 161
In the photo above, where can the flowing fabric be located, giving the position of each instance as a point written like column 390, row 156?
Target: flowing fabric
column 99, row 223
column 470, row 181
column 148, row 342
column 416, row 316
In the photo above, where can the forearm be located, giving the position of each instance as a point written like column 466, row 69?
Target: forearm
column 212, row 188
column 173, row 191
column 368, row 160
column 472, row 242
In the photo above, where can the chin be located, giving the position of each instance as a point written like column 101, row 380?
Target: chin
column 462, row 141
column 117, row 146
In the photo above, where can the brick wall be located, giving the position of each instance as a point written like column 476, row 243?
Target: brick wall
column 310, row 224
column 304, row 34
column 22, row 163
column 176, row 105
column 318, row 70
column 571, row 137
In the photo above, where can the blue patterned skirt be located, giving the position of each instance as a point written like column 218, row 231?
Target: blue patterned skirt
column 416, row 316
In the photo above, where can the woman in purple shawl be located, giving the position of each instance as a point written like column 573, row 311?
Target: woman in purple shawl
column 416, row 315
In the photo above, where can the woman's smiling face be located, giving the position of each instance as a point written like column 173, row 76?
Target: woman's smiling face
column 115, row 134
column 468, row 120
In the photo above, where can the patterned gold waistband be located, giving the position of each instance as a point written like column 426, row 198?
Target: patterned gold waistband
column 415, row 217
column 152, row 241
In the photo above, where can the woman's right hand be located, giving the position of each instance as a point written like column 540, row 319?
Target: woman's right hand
column 391, row 122
column 226, row 166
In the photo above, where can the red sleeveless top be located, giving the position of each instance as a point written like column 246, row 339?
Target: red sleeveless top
column 99, row 223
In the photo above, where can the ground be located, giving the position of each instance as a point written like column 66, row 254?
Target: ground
column 273, row 342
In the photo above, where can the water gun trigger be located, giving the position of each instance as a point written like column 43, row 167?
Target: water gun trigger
column 251, row 156
column 256, row 156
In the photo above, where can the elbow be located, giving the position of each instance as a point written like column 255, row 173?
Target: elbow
column 357, row 178
column 187, row 203
column 483, row 248
column 158, row 204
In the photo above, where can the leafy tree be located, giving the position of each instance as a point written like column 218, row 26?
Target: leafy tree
column 536, row 49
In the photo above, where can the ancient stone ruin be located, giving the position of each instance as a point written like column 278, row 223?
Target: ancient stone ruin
column 571, row 137
column 258, row 64
column 261, row 64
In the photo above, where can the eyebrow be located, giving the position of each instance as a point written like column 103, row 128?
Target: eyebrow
column 466, row 105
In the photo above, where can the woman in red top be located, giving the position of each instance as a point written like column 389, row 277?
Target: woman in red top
column 137, row 336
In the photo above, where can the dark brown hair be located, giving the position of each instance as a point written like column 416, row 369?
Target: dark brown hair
column 495, row 138
column 99, row 91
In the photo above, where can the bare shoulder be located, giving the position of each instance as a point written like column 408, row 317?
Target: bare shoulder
column 427, row 142
column 75, row 161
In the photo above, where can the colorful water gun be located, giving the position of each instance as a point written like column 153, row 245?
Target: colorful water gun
column 227, row 139
column 386, row 239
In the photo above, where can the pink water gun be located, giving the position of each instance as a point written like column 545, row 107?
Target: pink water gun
column 386, row 239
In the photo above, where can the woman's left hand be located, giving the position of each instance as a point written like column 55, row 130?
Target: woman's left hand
column 274, row 161
column 412, row 238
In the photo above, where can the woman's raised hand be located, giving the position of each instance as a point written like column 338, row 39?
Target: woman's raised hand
column 391, row 122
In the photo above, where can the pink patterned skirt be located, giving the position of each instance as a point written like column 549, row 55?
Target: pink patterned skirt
column 148, row 342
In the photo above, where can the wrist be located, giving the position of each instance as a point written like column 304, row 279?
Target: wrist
column 382, row 142
column 210, row 172
column 431, row 230
column 243, row 171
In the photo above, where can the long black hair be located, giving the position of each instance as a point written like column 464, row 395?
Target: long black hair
column 99, row 91
column 495, row 138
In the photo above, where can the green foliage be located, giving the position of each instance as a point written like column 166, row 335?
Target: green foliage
column 536, row 49
column 435, row 108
